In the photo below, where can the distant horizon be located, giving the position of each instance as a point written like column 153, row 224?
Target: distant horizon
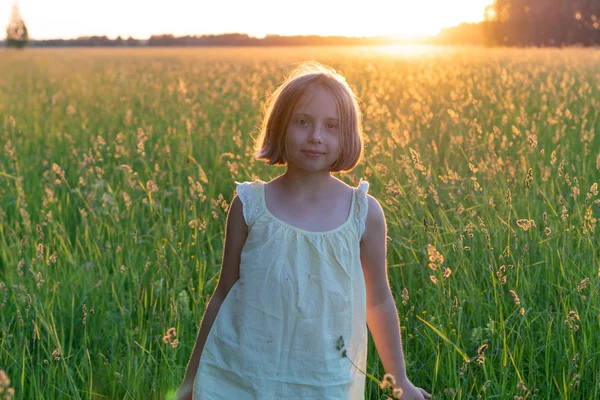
column 399, row 37
column 72, row 19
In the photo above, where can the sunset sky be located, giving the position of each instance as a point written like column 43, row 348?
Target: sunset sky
column 142, row 18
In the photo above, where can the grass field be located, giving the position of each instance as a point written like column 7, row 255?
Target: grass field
column 117, row 168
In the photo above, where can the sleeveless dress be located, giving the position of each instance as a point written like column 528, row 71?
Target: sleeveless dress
column 277, row 333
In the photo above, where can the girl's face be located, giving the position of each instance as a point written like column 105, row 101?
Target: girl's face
column 313, row 136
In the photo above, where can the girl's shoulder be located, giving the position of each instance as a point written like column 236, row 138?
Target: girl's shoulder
column 361, row 206
column 249, row 194
column 363, row 187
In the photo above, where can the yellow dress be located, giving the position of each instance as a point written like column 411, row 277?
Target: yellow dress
column 277, row 333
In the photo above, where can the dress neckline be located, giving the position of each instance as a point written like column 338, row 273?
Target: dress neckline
column 304, row 231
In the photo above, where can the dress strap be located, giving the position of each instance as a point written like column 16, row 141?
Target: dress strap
column 362, row 206
column 249, row 194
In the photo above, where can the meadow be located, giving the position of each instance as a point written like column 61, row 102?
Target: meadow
column 117, row 168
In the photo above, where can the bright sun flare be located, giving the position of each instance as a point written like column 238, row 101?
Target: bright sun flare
column 379, row 17
column 425, row 17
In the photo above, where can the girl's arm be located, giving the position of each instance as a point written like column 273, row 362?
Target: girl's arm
column 236, row 232
column 382, row 314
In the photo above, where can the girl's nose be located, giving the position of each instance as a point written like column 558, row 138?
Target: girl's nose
column 316, row 135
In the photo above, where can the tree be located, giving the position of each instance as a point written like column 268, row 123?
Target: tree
column 16, row 31
column 544, row 22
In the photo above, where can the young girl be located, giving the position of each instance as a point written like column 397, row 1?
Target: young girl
column 304, row 264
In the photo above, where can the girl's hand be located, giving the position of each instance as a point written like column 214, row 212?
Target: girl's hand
column 411, row 392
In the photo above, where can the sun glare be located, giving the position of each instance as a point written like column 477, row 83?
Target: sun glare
column 402, row 18
column 427, row 17
column 406, row 50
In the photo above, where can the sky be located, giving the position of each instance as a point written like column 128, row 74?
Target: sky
column 51, row 19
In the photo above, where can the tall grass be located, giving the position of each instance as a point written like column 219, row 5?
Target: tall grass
column 118, row 168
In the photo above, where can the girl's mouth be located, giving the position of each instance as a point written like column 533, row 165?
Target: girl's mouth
column 312, row 154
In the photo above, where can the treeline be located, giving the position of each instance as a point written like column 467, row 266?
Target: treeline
column 233, row 39
column 532, row 23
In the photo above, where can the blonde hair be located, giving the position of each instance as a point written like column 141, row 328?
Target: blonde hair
column 271, row 144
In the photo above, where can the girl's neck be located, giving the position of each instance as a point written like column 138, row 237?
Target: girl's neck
column 307, row 185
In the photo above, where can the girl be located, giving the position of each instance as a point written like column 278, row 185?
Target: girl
column 304, row 268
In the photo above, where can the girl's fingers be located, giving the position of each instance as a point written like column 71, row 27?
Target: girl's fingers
column 425, row 394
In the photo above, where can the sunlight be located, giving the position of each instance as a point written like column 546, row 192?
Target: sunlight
column 425, row 17
column 70, row 18
column 407, row 50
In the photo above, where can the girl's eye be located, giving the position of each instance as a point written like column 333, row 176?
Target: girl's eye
column 332, row 126
column 302, row 121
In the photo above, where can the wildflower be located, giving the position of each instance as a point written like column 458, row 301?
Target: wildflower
column 575, row 381
column 480, row 353
column 583, row 284
column 561, row 168
column 388, row 381
column 141, row 138
column 434, row 255
column 571, row 320
column 40, row 280
column 6, row 391
column 390, row 378
column 127, row 200
column 169, row 338
column 515, row 297
column 501, row 274
column 589, row 222
column 482, row 349
column 454, row 304
column 516, row 131
column 151, row 187
column 416, row 160
column 575, row 189
column 564, row 214
column 485, row 386
column 405, row 296
column 340, row 343
column 529, row 178
column 526, row 224
column 433, row 279
column 593, row 192
column 58, row 171
column 397, row 393
column 56, row 354
column 533, row 139
column 40, row 232
column 447, row 273
column 453, row 115
column 340, row 346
